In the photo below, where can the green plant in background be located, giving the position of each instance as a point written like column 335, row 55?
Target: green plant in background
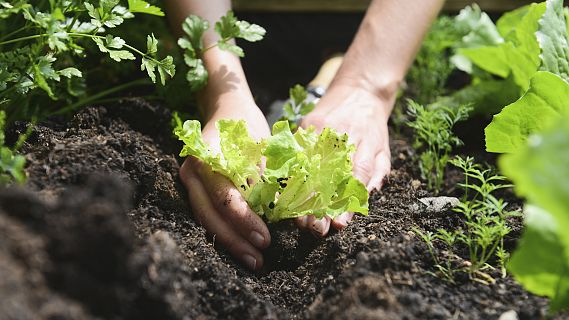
column 297, row 106
column 434, row 139
column 427, row 77
column 11, row 164
column 503, row 58
column 305, row 173
column 540, row 172
column 228, row 28
column 49, row 51
column 43, row 46
column 485, row 226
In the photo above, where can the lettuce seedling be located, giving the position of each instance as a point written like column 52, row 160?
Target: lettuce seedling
column 305, row 173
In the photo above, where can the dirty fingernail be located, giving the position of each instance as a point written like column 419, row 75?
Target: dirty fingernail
column 257, row 239
column 250, row 261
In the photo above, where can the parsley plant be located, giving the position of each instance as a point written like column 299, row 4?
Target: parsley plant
column 434, row 139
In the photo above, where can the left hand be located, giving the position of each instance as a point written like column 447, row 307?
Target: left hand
column 363, row 116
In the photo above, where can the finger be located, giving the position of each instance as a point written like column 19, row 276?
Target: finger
column 364, row 162
column 382, row 169
column 341, row 221
column 214, row 223
column 318, row 227
column 229, row 202
column 301, row 222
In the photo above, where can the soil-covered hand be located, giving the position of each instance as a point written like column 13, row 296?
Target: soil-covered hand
column 363, row 116
column 217, row 204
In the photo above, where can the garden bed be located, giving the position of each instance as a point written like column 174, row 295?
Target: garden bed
column 103, row 229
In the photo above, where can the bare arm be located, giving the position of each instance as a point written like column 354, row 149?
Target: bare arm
column 386, row 44
column 362, row 94
column 227, row 85
column 216, row 203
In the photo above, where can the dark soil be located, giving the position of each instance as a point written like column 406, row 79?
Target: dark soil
column 103, row 230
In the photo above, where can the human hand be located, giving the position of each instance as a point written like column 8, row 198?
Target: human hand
column 216, row 203
column 363, row 116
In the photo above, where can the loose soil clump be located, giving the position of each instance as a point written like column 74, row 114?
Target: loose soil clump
column 103, row 230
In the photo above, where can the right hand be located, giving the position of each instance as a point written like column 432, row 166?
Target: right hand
column 216, row 203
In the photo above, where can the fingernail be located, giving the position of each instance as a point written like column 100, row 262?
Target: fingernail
column 250, row 261
column 318, row 227
column 257, row 239
column 342, row 220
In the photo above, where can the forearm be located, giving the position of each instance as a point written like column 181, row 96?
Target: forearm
column 386, row 44
column 227, row 80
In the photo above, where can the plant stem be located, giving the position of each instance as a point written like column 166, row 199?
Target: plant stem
column 76, row 34
column 14, row 32
column 215, row 44
column 86, row 35
column 35, row 36
column 72, row 24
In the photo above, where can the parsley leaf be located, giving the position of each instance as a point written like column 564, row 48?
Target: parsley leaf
column 109, row 44
column 144, row 7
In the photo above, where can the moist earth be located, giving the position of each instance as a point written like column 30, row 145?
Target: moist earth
column 103, row 229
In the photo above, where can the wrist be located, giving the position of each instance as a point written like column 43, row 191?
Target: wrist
column 384, row 88
column 231, row 105
column 226, row 87
column 381, row 94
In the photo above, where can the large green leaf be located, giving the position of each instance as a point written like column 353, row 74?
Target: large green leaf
column 517, row 54
column 485, row 96
column 552, row 36
column 489, row 59
column 541, row 175
column 546, row 99
column 540, row 262
column 509, row 21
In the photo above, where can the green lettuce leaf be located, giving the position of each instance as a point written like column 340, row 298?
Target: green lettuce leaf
column 545, row 101
column 305, row 173
column 541, row 175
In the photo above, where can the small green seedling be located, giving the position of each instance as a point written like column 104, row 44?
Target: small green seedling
column 485, row 226
column 297, row 106
column 434, row 139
